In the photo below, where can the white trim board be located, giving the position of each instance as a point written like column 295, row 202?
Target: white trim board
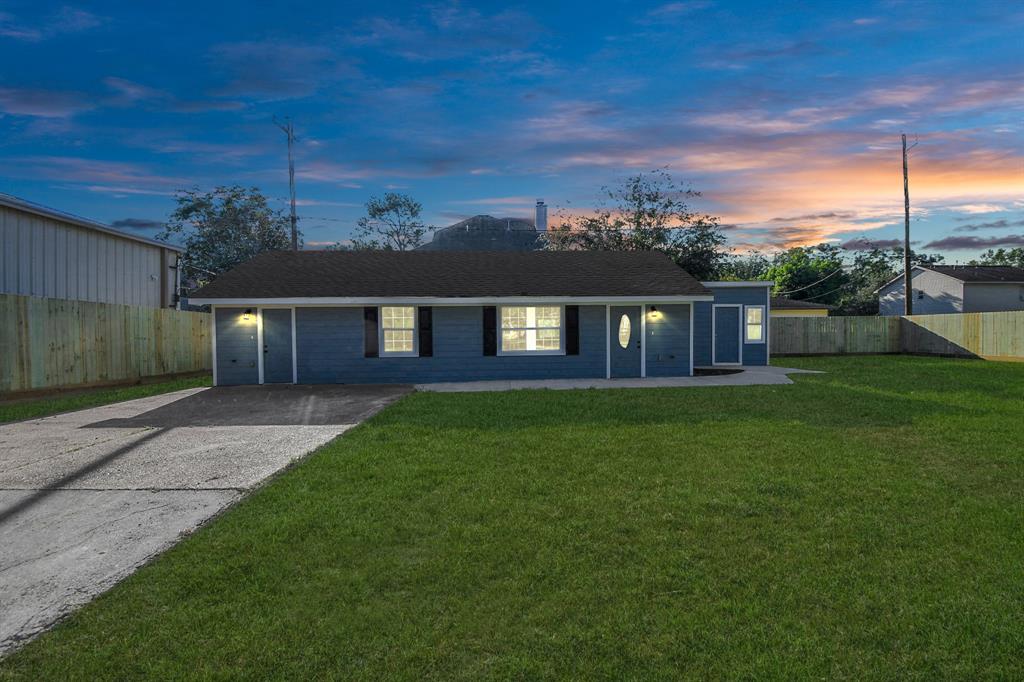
column 213, row 342
column 643, row 341
column 431, row 301
column 259, row 343
column 607, row 342
column 295, row 355
column 739, row 332
column 736, row 285
column 691, row 339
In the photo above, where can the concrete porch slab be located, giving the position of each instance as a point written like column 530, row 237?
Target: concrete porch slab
column 750, row 376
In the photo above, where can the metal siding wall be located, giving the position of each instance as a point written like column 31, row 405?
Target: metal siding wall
column 668, row 342
column 48, row 258
column 330, row 350
column 237, row 348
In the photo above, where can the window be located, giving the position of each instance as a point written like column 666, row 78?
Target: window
column 755, row 324
column 625, row 331
column 398, row 330
column 531, row 329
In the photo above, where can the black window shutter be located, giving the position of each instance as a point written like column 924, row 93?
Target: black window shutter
column 490, row 330
column 426, row 331
column 371, row 343
column 572, row 330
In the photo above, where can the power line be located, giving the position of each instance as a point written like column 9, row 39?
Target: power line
column 793, row 291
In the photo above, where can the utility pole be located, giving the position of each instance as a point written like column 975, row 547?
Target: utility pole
column 908, row 289
column 290, row 132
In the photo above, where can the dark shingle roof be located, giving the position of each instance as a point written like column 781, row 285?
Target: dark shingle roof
column 980, row 273
column 465, row 274
column 792, row 304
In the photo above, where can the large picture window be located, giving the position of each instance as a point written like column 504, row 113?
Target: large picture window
column 398, row 330
column 755, row 324
column 531, row 329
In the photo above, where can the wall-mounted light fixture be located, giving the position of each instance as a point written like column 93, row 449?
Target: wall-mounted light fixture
column 247, row 314
column 653, row 312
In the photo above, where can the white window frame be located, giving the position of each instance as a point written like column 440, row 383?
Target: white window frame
column 561, row 330
column 746, row 324
column 381, row 352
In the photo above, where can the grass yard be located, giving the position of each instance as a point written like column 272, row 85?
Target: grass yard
column 81, row 399
column 863, row 524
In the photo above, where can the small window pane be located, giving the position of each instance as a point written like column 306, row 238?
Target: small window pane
column 754, row 332
column 513, row 317
column 549, row 317
column 754, row 315
column 625, row 330
column 398, row 341
column 548, row 339
column 513, row 339
column 398, row 317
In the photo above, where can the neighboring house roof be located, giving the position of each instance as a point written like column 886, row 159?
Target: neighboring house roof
column 989, row 274
column 453, row 274
column 779, row 303
column 52, row 213
column 485, row 233
column 970, row 274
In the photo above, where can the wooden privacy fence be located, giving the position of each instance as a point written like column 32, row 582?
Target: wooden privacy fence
column 993, row 336
column 54, row 343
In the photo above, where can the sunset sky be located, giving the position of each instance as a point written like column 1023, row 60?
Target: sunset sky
column 786, row 116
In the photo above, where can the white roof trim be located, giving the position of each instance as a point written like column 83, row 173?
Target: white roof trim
column 428, row 300
column 749, row 283
column 52, row 213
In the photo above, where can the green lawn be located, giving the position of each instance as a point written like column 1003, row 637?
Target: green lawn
column 863, row 524
column 79, row 400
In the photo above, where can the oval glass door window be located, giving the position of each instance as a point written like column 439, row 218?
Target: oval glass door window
column 625, row 329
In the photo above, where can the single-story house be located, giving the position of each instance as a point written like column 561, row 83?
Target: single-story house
column 429, row 316
column 788, row 307
column 956, row 289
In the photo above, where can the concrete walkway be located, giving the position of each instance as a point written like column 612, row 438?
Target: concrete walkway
column 87, row 497
column 750, row 376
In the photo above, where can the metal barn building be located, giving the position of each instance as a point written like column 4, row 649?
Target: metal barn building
column 44, row 252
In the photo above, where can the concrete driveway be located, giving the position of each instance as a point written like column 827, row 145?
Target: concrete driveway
column 87, row 497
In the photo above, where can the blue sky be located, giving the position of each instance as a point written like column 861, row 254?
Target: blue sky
column 786, row 115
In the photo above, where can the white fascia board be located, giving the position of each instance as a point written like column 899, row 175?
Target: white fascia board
column 414, row 300
column 727, row 285
column 988, row 283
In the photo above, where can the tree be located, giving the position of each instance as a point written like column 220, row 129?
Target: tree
column 391, row 223
column 648, row 212
column 809, row 273
column 751, row 267
column 1012, row 257
column 872, row 269
column 223, row 228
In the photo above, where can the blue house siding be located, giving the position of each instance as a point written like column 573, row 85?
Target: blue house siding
column 329, row 342
column 753, row 353
column 236, row 347
column 668, row 342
